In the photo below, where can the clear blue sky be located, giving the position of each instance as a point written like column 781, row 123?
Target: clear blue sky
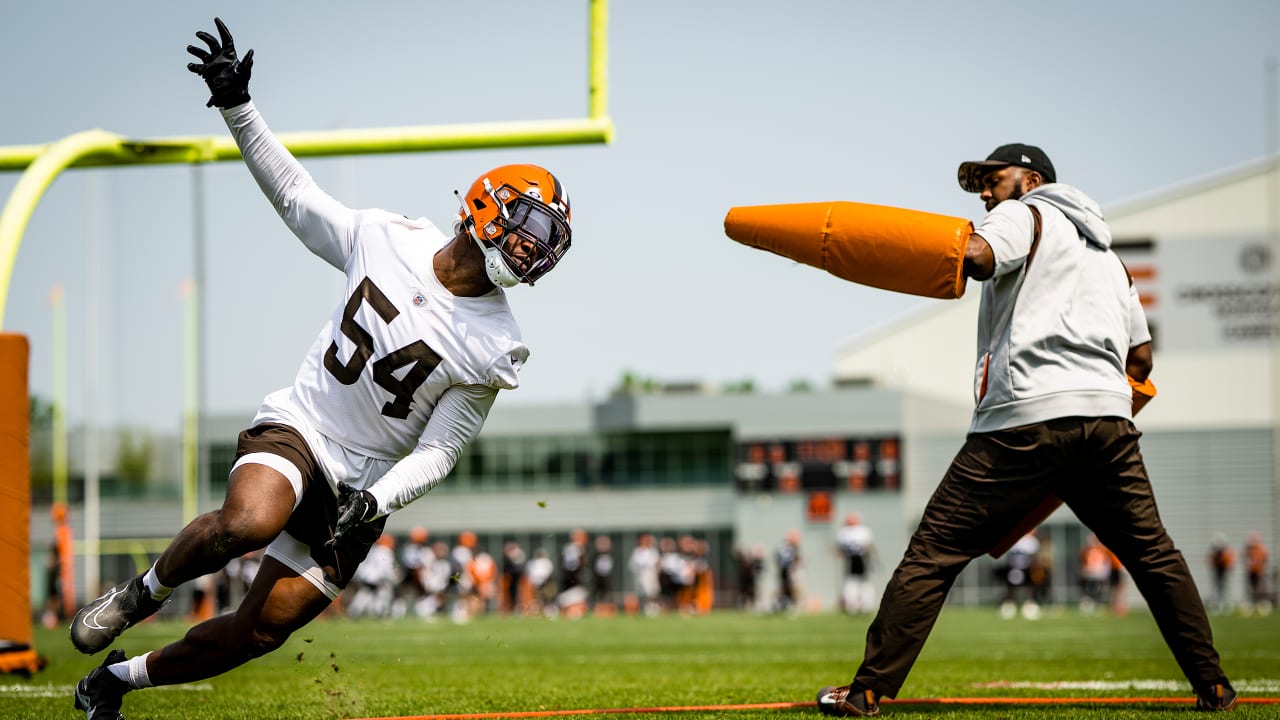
column 716, row 104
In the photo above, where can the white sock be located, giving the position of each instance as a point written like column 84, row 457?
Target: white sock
column 153, row 586
column 133, row 671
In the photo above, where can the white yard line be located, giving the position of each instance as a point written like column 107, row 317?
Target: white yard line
column 19, row 690
column 1264, row 685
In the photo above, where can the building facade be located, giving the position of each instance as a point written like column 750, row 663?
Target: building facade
column 742, row 470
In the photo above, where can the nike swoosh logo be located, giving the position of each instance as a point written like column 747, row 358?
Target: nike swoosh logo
column 91, row 618
column 82, row 700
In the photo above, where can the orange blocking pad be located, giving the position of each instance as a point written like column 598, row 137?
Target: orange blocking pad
column 1142, row 393
column 16, row 652
column 890, row 248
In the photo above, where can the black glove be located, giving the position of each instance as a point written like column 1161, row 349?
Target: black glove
column 227, row 77
column 354, row 507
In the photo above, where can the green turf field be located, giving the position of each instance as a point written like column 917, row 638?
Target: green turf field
column 373, row 668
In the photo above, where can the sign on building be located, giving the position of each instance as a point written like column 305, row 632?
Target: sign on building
column 1205, row 293
column 854, row 464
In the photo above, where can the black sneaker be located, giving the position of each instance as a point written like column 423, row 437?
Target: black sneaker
column 1216, row 698
column 844, row 702
column 102, row 620
column 100, row 692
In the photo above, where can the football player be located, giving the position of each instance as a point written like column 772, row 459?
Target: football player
column 856, row 543
column 399, row 380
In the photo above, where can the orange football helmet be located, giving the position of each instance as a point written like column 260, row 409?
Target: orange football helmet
column 519, row 215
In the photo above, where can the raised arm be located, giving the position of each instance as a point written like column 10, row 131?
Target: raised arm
column 323, row 224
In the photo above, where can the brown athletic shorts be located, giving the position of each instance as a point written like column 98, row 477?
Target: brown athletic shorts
column 313, row 520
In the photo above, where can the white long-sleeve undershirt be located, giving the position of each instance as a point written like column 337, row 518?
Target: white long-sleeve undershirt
column 454, row 423
column 324, row 225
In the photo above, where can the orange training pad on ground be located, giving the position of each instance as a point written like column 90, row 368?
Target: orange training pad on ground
column 890, row 248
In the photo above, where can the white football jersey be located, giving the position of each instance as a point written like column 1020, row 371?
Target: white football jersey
column 854, row 539
column 399, row 340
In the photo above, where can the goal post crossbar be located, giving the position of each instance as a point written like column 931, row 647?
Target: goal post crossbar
column 41, row 164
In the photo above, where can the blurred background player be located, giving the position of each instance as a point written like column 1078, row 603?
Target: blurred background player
column 461, row 581
column 1018, row 590
column 643, row 565
column 687, row 584
column 789, row 562
column 441, row 579
column 704, row 578
column 1095, row 575
column 856, row 544
column 398, row 382
column 515, row 588
column 1256, row 557
column 750, row 564
column 483, row 570
column 673, row 574
column 60, row 600
column 573, row 566
column 602, row 577
column 540, row 574
column 1222, row 558
column 411, row 591
column 374, row 584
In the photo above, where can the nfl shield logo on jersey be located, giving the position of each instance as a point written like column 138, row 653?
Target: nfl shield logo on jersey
column 419, row 299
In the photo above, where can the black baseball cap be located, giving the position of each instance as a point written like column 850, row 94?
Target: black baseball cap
column 1027, row 156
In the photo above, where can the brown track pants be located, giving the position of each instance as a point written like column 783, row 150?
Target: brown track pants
column 1096, row 467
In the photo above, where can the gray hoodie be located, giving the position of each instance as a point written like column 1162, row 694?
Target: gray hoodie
column 1053, row 335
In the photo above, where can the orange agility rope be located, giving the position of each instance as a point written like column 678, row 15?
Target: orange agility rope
column 793, row 705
